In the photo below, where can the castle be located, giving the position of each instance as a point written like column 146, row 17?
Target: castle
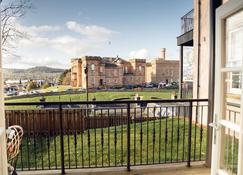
column 117, row 72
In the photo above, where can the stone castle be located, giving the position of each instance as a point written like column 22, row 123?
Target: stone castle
column 117, row 72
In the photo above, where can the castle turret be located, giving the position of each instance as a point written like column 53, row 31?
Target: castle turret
column 162, row 54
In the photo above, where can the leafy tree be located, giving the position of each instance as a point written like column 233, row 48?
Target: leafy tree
column 65, row 77
column 45, row 85
column 32, row 85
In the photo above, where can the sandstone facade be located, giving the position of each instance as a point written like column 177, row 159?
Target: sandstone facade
column 116, row 72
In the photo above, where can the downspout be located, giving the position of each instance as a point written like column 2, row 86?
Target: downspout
column 198, row 47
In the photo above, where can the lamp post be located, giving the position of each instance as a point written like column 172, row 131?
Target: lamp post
column 86, row 69
column 3, row 151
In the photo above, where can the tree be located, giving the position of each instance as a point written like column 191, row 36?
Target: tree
column 11, row 10
column 45, row 85
column 65, row 77
column 32, row 85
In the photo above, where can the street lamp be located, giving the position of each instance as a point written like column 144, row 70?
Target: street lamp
column 86, row 70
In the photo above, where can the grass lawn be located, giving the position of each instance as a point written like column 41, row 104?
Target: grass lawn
column 149, row 145
column 58, row 88
column 105, row 96
column 164, row 94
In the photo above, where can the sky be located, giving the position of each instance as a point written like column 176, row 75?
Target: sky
column 59, row 30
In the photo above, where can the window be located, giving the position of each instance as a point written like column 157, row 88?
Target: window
column 115, row 72
column 235, row 83
column 93, row 67
column 234, row 40
column 234, row 50
column 126, row 70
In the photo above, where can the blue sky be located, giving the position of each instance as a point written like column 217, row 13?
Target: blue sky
column 62, row 29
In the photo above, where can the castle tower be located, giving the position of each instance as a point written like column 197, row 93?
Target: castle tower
column 162, row 54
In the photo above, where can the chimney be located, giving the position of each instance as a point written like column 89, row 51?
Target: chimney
column 162, row 53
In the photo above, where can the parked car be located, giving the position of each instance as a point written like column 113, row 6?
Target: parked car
column 151, row 85
column 162, row 84
column 129, row 87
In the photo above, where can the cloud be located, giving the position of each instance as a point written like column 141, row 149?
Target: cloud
column 91, row 31
column 45, row 46
column 36, row 30
column 141, row 53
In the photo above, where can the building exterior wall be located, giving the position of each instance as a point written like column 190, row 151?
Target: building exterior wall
column 162, row 70
column 110, row 72
column 201, row 42
column 201, row 49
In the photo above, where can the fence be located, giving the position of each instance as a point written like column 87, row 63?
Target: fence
column 110, row 133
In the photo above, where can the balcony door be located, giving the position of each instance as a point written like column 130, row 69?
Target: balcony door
column 228, row 116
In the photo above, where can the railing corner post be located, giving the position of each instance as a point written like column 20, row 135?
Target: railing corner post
column 61, row 140
column 189, row 135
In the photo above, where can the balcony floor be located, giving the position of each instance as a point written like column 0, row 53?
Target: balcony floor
column 142, row 170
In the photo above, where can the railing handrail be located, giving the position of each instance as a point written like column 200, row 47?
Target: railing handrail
column 103, row 102
column 187, row 22
column 188, row 13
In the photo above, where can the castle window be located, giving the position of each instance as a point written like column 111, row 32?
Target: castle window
column 126, row 70
column 93, row 67
column 140, row 68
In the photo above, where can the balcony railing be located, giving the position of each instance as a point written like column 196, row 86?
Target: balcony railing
column 187, row 22
column 67, row 135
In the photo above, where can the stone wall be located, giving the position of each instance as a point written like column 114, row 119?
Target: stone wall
column 107, row 72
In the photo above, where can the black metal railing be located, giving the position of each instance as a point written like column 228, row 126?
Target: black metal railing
column 187, row 22
column 70, row 135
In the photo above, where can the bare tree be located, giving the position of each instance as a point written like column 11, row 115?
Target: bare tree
column 11, row 10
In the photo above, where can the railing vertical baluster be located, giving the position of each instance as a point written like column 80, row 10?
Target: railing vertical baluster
column 55, row 133
column 122, row 118
column 178, row 133
column 172, row 134
column 34, row 137
column 134, row 138
column 115, row 136
column 184, row 133
column 201, row 133
column 147, row 122
column 195, row 132
column 61, row 140
column 189, row 135
column 128, row 136
column 109, row 124
column 141, row 135
column 160, row 116
column 95, row 137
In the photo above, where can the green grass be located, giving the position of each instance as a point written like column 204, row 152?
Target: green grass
column 100, row 96
column 164, row 94
column 58, row 88
column 147, row 150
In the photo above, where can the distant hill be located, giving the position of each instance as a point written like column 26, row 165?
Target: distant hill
column 39, row 72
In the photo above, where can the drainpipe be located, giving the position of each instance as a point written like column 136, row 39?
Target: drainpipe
column 199, row 47
column 3, row 151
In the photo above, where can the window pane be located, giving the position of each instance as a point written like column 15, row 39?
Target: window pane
column 234, row 40
column 232, row 97
column 230, row 151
